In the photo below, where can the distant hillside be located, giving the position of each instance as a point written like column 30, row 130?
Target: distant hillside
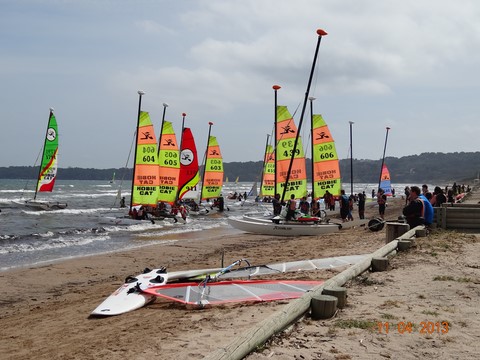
column 432, row 168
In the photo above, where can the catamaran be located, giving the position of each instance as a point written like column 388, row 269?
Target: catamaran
column 290, row 172
column 48, row 169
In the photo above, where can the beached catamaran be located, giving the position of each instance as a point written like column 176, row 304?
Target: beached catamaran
column 146, row 177
column 48, row 169
column 290, row 176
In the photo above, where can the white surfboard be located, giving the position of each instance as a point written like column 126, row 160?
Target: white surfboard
column 129, row 296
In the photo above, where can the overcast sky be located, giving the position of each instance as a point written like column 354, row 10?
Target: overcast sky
column 410, row 65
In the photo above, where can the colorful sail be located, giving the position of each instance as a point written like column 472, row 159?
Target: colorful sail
column 286, row 133
column 189, row 171
column 146, row 180
column 48, row 168
column 268, row 177
column 326, row 169
column 385, row 183
column 213, row 176
column 169, row 162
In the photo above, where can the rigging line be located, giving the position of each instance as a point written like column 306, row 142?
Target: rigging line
column 125, row 168
column 34, row 164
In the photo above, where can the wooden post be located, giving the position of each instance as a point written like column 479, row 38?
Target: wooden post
column 421, row 233
column 395, row 230
column 339, row 292
column 404, row 245
column 380, row 264
column 323, row 306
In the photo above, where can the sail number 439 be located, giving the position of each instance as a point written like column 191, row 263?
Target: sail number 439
column 424, row 327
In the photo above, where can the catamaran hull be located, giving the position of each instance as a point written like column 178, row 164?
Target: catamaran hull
column 44, row 205
column 283, row 229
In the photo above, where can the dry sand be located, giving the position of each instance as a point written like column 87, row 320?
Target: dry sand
column 44, row 310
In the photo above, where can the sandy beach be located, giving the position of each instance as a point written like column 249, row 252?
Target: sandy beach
column 45, row 310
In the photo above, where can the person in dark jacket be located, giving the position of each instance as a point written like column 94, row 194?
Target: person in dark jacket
column 414, row 211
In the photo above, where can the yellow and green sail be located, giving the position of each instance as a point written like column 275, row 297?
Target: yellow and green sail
column 268, row 180
column 146, row 180
column 169, row 163
column 326, row 169
column 213, row 173
column 286, row 132
column 48, row 168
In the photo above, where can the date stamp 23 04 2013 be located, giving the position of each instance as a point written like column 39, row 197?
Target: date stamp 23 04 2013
column 424, row 327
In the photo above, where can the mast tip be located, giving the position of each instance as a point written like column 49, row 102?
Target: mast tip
column 321, row 32
column 210, row 123
column 184, row 114
column 276, row 87
column 311, row 98
column 51, row 109
column 165, row 104
column 141, row 92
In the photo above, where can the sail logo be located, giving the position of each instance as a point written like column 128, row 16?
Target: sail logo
column 147, row 136
column 169, row 142
column 186, row 157
column 287, row 129
column 322, row 136
column 51, row 134
column 146, row 190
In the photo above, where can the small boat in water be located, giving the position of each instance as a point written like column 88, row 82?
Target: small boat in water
column 48, row 170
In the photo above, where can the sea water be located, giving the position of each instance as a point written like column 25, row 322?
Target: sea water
column 29, row 237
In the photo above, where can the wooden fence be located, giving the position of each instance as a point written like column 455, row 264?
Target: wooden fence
column 459, row 216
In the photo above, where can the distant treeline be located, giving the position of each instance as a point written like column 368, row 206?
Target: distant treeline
column 432, row 168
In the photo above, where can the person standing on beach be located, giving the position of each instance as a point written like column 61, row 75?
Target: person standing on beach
column 292, row 207
column 344, row 205
column 382, row 202
column 361, row 205
column 277, row 205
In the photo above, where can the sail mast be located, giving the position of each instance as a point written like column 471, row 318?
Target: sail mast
column 165, row 105
column 275, row 89
column 312, row 150
column 180, row 153
column 351, row 158
column 206, row 158
column 264, row 163
column 383, row 158
column 140, row 94
column 320, row 34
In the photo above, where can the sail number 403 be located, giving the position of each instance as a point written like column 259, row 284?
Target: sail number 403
column 424, row 327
